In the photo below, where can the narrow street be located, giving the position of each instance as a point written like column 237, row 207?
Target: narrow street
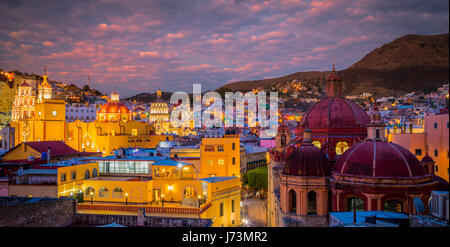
column 254, row 210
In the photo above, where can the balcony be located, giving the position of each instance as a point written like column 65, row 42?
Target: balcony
column 111, row 208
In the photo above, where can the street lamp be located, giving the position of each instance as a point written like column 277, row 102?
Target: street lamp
column 92, row 195
column 162, row 200
column 126, row 198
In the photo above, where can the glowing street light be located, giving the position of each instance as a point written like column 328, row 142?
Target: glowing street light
column 126, row 198
column 92, row 195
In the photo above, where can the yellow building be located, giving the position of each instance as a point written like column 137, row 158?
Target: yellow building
column 45, row 121
column 53, row 180
column 220, row 156
column 173, row 190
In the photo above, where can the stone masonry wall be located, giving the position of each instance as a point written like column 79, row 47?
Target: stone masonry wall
column 36, row 212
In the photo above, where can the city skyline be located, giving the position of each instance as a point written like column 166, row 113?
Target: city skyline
column 138, row 47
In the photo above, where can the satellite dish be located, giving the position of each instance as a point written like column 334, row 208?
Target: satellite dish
column 418, row 205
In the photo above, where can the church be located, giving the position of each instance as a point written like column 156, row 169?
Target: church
column 342, row 161
column 42, row 118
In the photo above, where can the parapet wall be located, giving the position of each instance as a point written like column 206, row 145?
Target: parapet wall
column 133, row 220
column 36, row 212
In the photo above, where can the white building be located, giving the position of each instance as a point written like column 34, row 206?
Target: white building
column 83, row 112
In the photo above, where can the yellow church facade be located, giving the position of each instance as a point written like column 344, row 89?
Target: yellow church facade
column 45, row 121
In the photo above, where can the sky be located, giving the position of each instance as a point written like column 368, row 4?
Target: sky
column 139, row 46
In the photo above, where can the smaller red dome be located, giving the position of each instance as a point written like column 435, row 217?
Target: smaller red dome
column 379, row 159
column 427, row 158
column 114, row 107
column 306, row 160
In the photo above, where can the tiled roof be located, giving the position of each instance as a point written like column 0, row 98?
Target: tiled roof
column 56, row 147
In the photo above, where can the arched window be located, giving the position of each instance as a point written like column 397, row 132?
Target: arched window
column 117, row 192
column 292, row 201
column 377, row 134
column 355, row 202
column 89, row 191
column 317, row 144
column 283, row 140
column 393, row 206
column 87, row 175
column 341, row 147
column 312, row 203
column 94, row 173
column 103, row 192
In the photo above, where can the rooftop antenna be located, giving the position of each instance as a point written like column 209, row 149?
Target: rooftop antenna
column 89, row 82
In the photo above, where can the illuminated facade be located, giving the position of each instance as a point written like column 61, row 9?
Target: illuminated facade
column 24, row 103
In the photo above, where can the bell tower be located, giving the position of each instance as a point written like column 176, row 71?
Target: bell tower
column 334, row 84
column 376, row 127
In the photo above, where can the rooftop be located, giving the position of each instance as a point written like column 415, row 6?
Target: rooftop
column 216, row 179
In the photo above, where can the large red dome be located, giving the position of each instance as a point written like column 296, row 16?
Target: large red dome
column 114, row 107
column 379, row 159
column 335, row 112
column 306, row 160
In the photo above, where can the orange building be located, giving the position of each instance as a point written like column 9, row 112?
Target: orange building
column 220, row 156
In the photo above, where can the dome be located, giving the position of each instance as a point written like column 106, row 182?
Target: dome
column 114, row 107
column 379, row 159
column 427, row 158
column 335, row 112
column 306, row 160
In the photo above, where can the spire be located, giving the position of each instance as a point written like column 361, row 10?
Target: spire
column 334, row 84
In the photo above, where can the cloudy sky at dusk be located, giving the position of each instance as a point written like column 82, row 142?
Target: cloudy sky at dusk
column 138, row 46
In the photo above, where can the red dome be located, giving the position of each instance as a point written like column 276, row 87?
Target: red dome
column 379, row 159
column 114, row 107
column 306, row 160
column 335, row 112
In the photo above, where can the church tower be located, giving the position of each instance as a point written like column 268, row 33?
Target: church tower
column 44, row 89
column 334, row 84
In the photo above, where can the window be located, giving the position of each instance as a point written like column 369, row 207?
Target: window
column 94, row 172
column 292, row 201
column 87, row 175
column 233, row 146
column 356, row 202
column 63, row 177
column 393, row 206
column 418, row 152
column 89, row 191
column 312, row 205
column 377, row 134
column 317, row 144
column 232, row 206
column 221, row 209
column 221, row 162
column 103, row 192
column 436, row 168
column 234, row 160
column 341, row 147
column 210, row 162
column 220, row 149
column 436, row 153
column 209, row 148
column 117, row 192
column 74, row 175
column 435, row 125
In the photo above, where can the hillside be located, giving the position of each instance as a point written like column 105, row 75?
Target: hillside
column 409, row 63
column 149, row 97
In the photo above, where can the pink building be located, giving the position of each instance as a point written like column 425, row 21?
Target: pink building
column 433, row 141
